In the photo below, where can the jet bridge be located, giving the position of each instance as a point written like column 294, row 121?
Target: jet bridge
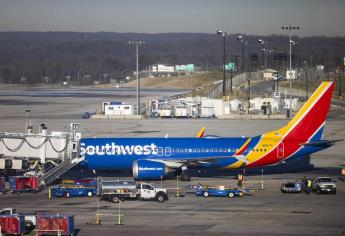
column 46, row 155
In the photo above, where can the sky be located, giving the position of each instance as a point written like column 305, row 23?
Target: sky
column 259, row 17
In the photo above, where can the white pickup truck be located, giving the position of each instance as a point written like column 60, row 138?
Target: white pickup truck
column 324, row 185
column 30, row 219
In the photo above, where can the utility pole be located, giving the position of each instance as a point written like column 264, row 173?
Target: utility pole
column 306, row 81
column 290, row 28
column 137, row 44
column 219, row 32
column 340, row 74
column 250, row 68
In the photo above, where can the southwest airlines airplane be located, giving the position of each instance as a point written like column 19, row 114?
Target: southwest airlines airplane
column 155, row 158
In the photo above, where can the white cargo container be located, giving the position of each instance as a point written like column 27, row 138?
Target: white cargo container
column 181, row 112
column 118, row 109
column 164, row 113
column 294, row 104
column 258, row 102
column 207, row 112
column 291, row 75
column 217, row 104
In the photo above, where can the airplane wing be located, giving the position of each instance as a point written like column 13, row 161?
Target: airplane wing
column 321, row 143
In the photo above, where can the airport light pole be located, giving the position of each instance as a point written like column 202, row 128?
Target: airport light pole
column 137, row 43
column 243, row 41
column 263, row 51
column 290, row 28
column 306, row 80
column 223, row 34
column 27, row 111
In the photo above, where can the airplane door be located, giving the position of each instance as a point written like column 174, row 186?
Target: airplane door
column 280, row 150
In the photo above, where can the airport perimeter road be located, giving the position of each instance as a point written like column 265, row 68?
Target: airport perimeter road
column 263, row 212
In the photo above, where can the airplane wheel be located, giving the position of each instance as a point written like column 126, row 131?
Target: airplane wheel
column 205, row 194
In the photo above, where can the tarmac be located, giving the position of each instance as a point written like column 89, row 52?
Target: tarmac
column 262, row 212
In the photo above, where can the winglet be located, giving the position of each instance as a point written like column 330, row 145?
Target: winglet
column 201, row 133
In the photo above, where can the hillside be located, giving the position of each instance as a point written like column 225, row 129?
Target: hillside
column 204, row 81
column 50, row 57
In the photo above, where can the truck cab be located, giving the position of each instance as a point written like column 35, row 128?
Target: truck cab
column 148, row 191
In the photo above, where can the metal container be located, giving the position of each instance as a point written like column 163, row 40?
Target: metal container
column 122, row 184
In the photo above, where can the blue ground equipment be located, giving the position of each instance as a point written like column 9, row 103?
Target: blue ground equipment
column 220, row 191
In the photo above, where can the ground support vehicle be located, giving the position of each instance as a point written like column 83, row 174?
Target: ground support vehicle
column 55, row 224
column 24, row 184
column 29, row 219
column 2, row 185
column 119, row 190
column 12, row 224
column 324, row 185
column 86, row 182
column 73, row 191
column 220, row 191
column 291, row 187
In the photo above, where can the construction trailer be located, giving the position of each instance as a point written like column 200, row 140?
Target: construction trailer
column 118, row 109
column 47, row 156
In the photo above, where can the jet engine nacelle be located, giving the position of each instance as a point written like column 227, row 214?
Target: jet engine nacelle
column 149, row 170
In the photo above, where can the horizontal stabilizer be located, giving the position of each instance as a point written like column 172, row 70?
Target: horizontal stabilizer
column 322, row 143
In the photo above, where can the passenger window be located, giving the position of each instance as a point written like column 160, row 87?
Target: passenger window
column 167, row 151
column 160, row 151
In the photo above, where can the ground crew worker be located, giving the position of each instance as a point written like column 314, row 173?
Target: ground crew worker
column 308, row 190
column 240, row 180
column 304, row 184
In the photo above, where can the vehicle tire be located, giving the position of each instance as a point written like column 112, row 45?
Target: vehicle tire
column 67, row 194
column 160, row 198
column 205, row 194
column 231, row 195
column 115, row 199
column 89, row 193
column 29, row 226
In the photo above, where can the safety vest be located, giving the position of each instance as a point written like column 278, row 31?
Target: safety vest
column 309, row 184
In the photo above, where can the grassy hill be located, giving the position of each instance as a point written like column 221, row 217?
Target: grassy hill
column 204, row 81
